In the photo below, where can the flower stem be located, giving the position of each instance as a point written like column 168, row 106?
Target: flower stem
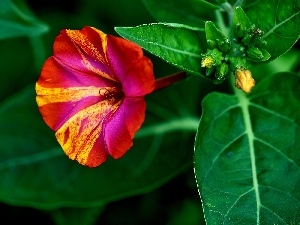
column 169, row 80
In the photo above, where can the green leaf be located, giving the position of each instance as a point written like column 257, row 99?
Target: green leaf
column 240, row 22
column 279, row 20
column 258, row 55
column 247, row 158
column 16, row 66
column 35, row 171
column 215, row 38
column 266, row 55
column 77, row 216
column 189, row 12
column 16, row 23
column 177, row 44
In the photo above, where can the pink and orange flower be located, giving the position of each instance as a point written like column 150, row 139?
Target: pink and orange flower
column 91, row 92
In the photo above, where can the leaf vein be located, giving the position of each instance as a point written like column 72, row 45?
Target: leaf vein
column 183, row 52
column 236, row 201
column 278, row 151
column 281, row 191
column 32, row 158
column 277, row 25
column 273, row 112
column 275, row 214
column 216, row 157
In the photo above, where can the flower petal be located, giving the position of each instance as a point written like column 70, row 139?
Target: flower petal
column 136, row 71
column 83, row 50
column 81, row 137
column 139, row 81
column 62, row 92
column 120, row 130
column 56, row 74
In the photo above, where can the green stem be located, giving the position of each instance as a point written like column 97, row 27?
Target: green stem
column 221, row 23
column 169, row 80
column 238, row 3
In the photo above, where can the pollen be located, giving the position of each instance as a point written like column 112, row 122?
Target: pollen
column 207, row 62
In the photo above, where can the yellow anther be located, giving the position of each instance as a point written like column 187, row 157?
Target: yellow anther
column 207, row 62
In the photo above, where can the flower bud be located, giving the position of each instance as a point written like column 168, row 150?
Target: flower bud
column 244, row 80
column 254, row 53
column 224, row 45
column 239, row 32
column 209, row 71
column 211, row 44
column 213, row 57
column 222, row 71
column 247, row 39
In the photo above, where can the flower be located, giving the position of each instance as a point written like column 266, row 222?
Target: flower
column 91, row 92
column 244, row 80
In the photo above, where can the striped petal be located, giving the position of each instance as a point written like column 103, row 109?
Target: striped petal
column 84, row 50
column 83, row 133
column 62, row 91
column 91, row 92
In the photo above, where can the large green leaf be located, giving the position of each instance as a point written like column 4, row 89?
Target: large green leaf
column 247, row 154
column 177, row 44
column 189, row 12
column 16, row 23
column 35, row 172
column 279, row 20
column 77, row 216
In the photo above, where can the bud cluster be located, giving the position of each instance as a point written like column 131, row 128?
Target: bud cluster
column 248, row 37
column 226, row 56
column 215, row 60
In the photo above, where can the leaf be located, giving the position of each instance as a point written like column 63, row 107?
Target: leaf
column 241, row 18
column 77, row 216
column 240, row 23
column 212, row 32
column 189, row 12
column 247, row 158
column 35, row 172
column 177, row 44
column 265, row 54
column 16, row 23
column 215, row 38
column 16, row 72
column 279, row 20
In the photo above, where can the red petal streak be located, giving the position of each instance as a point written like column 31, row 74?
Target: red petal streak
column 139, row 79
column 97, row 156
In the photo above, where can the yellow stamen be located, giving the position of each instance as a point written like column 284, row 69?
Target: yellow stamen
column 207, row 62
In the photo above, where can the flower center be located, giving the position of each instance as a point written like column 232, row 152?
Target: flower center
column 112, row 93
